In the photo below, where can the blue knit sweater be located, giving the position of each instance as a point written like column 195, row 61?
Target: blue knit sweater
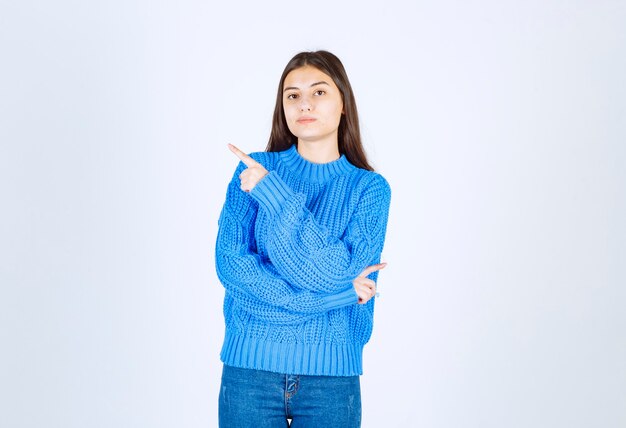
column 287, row 253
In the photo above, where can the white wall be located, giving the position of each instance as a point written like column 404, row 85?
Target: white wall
column 500, row 126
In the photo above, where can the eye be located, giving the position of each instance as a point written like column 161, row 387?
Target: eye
column 319, row 92
column 292, row 96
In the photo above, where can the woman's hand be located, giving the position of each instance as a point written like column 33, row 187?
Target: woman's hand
column 251, row 176
column 366, row 288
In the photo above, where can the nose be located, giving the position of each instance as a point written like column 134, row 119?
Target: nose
column 305, row 104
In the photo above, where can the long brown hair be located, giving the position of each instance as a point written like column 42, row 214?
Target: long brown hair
column 349, row 135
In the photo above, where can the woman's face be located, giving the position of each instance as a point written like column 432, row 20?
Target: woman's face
column 312, row 104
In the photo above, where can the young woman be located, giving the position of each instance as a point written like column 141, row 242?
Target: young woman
column 298, row 250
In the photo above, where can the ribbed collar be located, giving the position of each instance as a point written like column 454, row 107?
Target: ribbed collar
column 314, row 172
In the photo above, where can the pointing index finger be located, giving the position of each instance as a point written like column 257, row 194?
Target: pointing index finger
column 372, row 268
column 247, row 160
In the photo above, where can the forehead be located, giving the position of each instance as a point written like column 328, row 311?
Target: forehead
column 304, row 77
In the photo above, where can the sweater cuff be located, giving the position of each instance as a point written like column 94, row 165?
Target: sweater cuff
column 271, row 192
column 341, row 299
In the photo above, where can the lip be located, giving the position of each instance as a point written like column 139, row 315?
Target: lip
column 306, row 119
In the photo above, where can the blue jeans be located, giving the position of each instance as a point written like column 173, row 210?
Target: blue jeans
column 261, row 399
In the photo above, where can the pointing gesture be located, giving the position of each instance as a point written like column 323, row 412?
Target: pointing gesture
column 366, row 288
column 254, row 172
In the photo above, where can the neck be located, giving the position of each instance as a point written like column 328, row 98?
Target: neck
column 313, row 172
column 319, row 151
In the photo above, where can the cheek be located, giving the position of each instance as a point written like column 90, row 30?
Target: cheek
column 338, row 114
column 290, row 118
column 290, row 113
column 338, row 110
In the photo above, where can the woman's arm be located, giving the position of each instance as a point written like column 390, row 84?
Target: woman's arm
column 257, row 286
column 305, row 253
column 302, row 250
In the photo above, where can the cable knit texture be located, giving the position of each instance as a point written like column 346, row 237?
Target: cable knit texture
column 287, row 253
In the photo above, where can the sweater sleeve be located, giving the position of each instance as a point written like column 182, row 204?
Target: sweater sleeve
column 254, row 283
column 305, row 253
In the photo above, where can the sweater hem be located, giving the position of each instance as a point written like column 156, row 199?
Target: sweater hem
column 320, row 359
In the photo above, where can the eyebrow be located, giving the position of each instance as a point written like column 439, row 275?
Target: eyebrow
column 313, row 84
